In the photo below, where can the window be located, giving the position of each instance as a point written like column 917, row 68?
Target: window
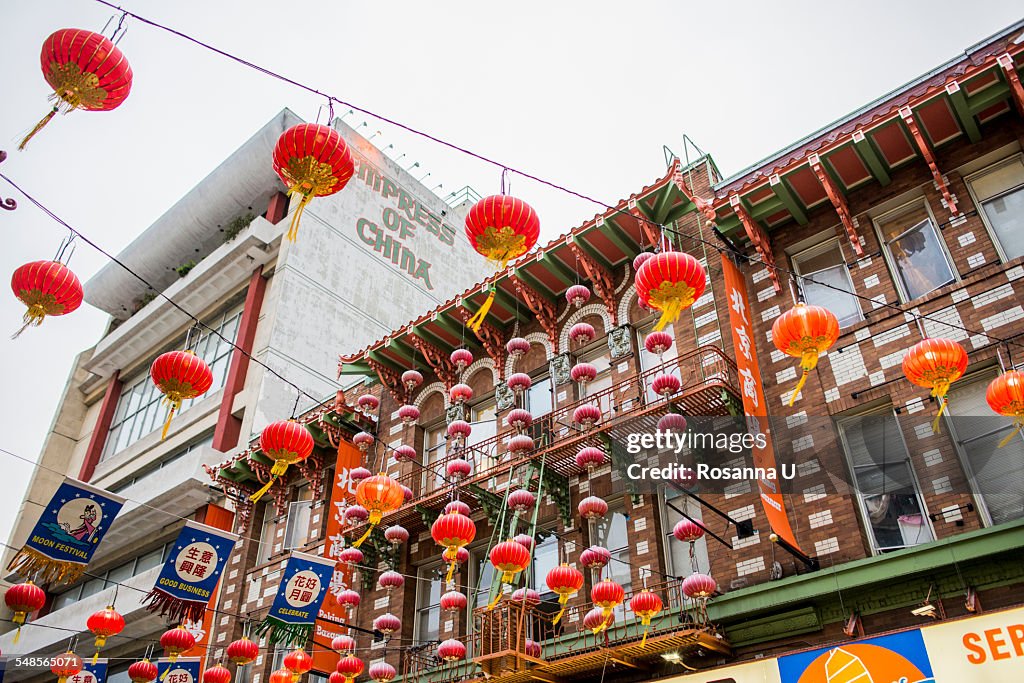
column 915, row 250
column 890, row 501
column 997, row 474
column 538, row 397
column 649, row 361
column 484, row 419
column 545, row 558
column 99, row 581
column 999, row 191
column 166, row 462
column 600, row 359
column 612, row 532
column 678, row 561
column 268, row 534
column 832, row 287
column 296, row 533
column 429, row 587
column 434, row 450
column 140, row 409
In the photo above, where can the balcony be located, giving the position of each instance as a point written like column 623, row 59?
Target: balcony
column 708, row 388
column 516, row 643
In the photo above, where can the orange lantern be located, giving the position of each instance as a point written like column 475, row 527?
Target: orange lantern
column 1005, row 395
column 286, row 442
column 645, row 605
column 180, row 375
column 298, row 662
column 670, row 282
column 501, row 228
column 805, row 332
column 935, row 364
column 379, row 494
column 66, row 665
column 86, row 71
column 313, row 161
column 103, row 624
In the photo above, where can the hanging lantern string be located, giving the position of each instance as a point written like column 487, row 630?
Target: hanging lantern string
column 65, row 244
column 505, row 167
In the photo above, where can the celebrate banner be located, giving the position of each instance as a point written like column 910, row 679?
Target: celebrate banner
column 299, row 596
column 191, row 572
column 180, row 670
column 67, row 533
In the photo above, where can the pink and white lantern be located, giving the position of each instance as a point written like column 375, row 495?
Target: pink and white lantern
column 363, row 440
column 519, row 444
column 390, row 580
column 396, row 534
column 519, row 382
column 517, row 346
column 521, row 500
column 519, row 419
column 577, row 295
column 461, row 358
column 592, row 507
column 582, row 333
column 583, row 373
column 460, row 393
column 458, row 469
column 412, row 379
column 409, row 414
column 595, row 557
column 665, row 385
column 590, row 458
column 586, row 415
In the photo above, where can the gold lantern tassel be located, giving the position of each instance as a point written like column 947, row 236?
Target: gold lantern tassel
column 39, row 126
column 279, row 468
column 645, row 621
column 1018, row 426
column 451, row 563
column 19, row 619
column 293, row 229
column 808, row 361
column 33, row 317
column 375, row 518
column 939, row 392
column 607, row 612
column 175, row 404
column 562, row 599
column 477, row 320
column 669, row 312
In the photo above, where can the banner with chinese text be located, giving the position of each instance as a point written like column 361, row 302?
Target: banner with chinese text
column 92, row 672
column 182, row 670
column 754, row 407
column 299, row 596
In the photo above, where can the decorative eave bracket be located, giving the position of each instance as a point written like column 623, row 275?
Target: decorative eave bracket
column 491, row 339
column 759, row 238
column 1016, row 89
column 542, row 308
column 838, row 201
column 907, row 114
column 437, row 360
column 600, row 277
column 703, row 205
column 390, row 379
column 651, row 231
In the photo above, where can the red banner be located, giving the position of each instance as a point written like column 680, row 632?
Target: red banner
column 753, row 398
column 332, row 615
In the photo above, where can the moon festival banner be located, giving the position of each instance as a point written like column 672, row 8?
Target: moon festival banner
column 67, row 533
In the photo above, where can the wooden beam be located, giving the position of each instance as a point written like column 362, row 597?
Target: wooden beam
column 987, row 97
column 601, row 278
column 520, row 272
column 627, row 662
column 508, row 302
column 838, row 200
column 788, row 199
column 458, row 332
column 1010, row 71
column 962, row 111
column 618, row 237
column 759, row 237
column 929, row 157
column 395, row 347
column 542, row 307
column 594, row 254
column 566, row 275
column 662, row 205
column 878, row 167
column 647, row 224
column 437, row 358
column 766, row 208
column 679, row 211
column 545, row 678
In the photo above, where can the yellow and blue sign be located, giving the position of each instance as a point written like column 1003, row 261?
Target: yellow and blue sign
column 896, row 657
column 182, row 670
column 190, row 574
column 92, row 672
column 299, row 596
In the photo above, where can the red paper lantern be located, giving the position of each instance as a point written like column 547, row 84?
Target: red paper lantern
column 509, row 558
column 85, row 70
column 298, row 662
column 363, row 441
column 456, row 506
column 805, row 332
column 65, row 666
column 526, row 595
column 596, row 620
column 533, row 648
column 935, row 364
column 645, row 605
column 595, row 557
column 658, row 343
column 312, row 161
column 461, row 358
column 103, row 624
column 357, row 474
column 687, row 531
column 577, row 295
column 143, row 671
column 501, row 228
column 409, row 414
column 286, row 442
column 458, row 469
column 460, row 393
column 355, row 514
column 350, row 667
column 564, row 581
column 382, row 672
column 589, row 458
column 380, row 494
column 217, row 674
column 1005, row 396
column 348, row 598
column 452, row 531
column 46, row 288
column 459, row 430
column 390, row 580
column 699, row 586
column 367, row 403
column 453, row 601
column 672, row 422
column 337, row 677
column 387, row 624
column 406, row 453
column 665, row 385
column 592, row 507
column 343, row 643
column 525, row 540
column 242, row 651
column 607, row 595
column 176, row 641
column 640, row 259
column 180, row 375
column 583, row 373
column 23, row 599
column 670, row 282
column 281, row 676
column 451, row 650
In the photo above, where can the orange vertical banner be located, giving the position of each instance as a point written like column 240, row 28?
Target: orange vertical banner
column 753, row 399
column 333, row 616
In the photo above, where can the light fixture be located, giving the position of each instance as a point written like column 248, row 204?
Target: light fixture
column 971, row 602
column 672, row 657
column 927, row 609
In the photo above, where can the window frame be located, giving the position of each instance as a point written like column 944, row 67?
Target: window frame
column 821, row 247
column 693, row 509
column 425, row 572
column 890, row 261
column 970, row 179
column 290, row 528
column 865, row 517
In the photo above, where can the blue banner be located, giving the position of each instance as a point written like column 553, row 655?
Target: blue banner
column 896, row 657
column 67, row 533
column 302, row 590
column 191, row 572
column 182, row 670
column 92, row 672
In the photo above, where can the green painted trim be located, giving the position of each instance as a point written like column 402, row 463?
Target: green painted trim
column 469, row 339
column 429, row 336
column 678, row 212
column 397, row 347
column 507, row 301
column 618, row 237
column 873, row 160
column 663, row 203
column 789, row 200
column 532, row 281
column 765, row 208
column 373, row 355
column 357, row 368
column 596, row 255
column 989, row 96
column 958, row 102
column 558, row 269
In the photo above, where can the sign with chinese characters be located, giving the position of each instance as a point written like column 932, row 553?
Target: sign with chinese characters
column 92, row 672
column 753, row 399
column 299, row 595
column 332, row 616
column 189, row 576
column 897, row 657
column 184, row 670
column 983, row 649
column 67, row 533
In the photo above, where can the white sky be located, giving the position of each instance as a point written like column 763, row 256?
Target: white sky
column 581, row 93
